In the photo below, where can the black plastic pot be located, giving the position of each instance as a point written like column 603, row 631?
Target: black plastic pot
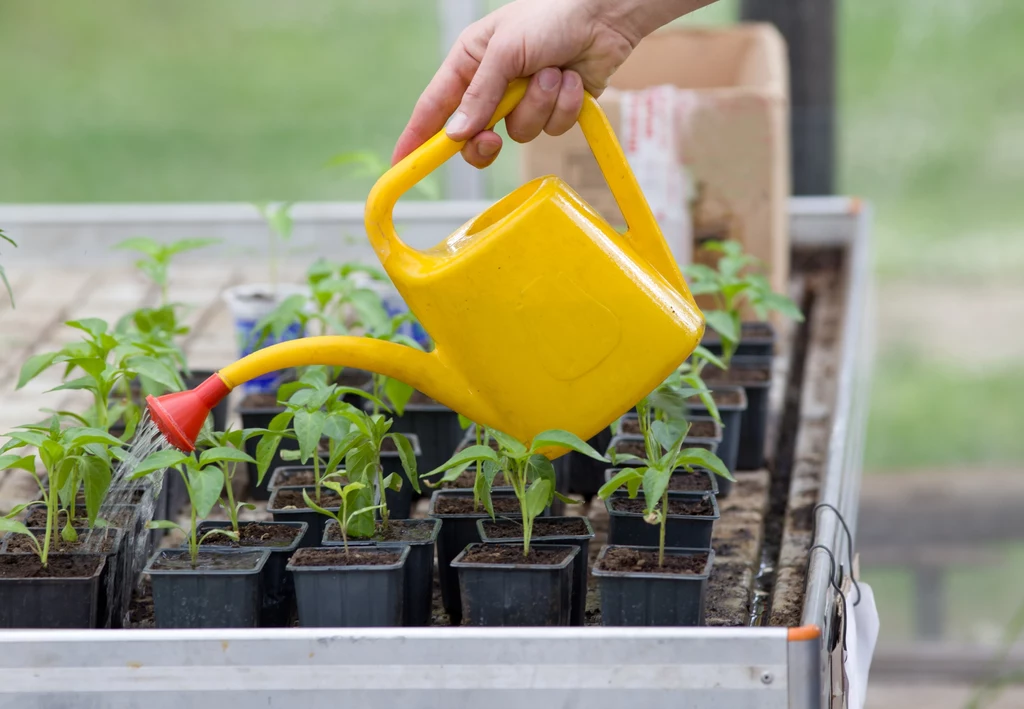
column 277, row 586
column 585, row 474
column 517, row 594
column 732, row 427
column 706, row 474
column 578, row 600
column 51, row 603
column 253, row 417
column 207, row 596
column 457, row 532
column 686, row 531
column 651, row 598
column 419, row 569
column 757, row 339
column 437, row 428
column 351, row 596
column 754, row 375
column 314, row 520
column 284, row 476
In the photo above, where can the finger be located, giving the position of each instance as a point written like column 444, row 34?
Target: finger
column 528, row 119
column 483, row 94
column 568, row 106
column 482, row 149
column 441, row 97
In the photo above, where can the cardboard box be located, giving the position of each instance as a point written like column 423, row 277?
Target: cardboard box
column 731, row 120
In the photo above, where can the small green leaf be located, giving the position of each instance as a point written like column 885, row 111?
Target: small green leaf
column 467, row 455
column 206, row 485
column 160, row 460
column 539, row 467
column 20, row 462
column 513, row 447
column 407, row 456
column 163, row 524
column 655, row 482
column 156, row 371
column 398, row 393
column 95, row 474
column 393, row 482
column 618, row 480
column 34, row 366
column 565, row 439
column 722, row 323
column 699, row 457
column 10, row 525
column 538, row 497
column 222, row 454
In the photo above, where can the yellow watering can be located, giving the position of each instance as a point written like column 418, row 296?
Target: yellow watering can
column 542, row 315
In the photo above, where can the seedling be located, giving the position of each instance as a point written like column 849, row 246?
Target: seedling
column 108, row 362
column 279, row 220
column 348, row 514
column 3, row 273
column 204, row 481
column 72, row 458
column 525, row 468
column 231, row 440
column 396, row 393
column 314, row 411
column 732, row 284
column 156, row 257
column 663, row 441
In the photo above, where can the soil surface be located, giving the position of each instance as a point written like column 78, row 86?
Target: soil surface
column 698, row 429
column 292, row 478
column 467, row 478
column 635, row 561
column 541, row 528
column 257, row 534
column 27, row 566
column 354, row 556
column 399, row 530
column 687, row 482
column 208, row 560
column 733, row 542
column 259, row 401
column 98, row 543
column 637, row 447
column 464, row 506
column 722, row 399
column 803, row 517
column 701, row 508
column 513, row 554
column 286, row 499
column 737, row 375
column 37, row 518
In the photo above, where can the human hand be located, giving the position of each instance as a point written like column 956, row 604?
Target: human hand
column 565, row 45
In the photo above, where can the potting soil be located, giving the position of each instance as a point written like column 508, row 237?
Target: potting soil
column 541, row 528
column 355, row 556
column 399, row 530
column 255, row 534
column 701, row 508
column 294, row 499
column 27, row 566
column 513, row 554
column 632, row 560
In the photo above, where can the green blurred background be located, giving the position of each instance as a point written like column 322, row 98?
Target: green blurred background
column 150, row 101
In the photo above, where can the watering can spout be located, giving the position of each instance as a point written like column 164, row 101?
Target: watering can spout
column 181, row 415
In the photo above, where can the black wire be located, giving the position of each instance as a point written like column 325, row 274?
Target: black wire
column 831, row 581
column 849, row 539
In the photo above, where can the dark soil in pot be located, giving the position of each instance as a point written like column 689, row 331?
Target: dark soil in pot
column 63, row 594
column 576, row 531
column 700, row 427
column 698, row 482
column 363, row 587
column 457, row 510
column 502, row 587
column 111, row 543
column 754, row 375
column 634, row 445
column 287, row 505
column 221, row 591
column 420, row 535
column 467, row 478
column 690, row 521
column 281, row 539
column 637, row 591
column 257, row 411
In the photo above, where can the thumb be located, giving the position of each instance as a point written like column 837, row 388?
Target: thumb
column 483, row 95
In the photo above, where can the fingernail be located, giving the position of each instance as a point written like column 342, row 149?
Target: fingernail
column 570, row 80
column 457, row 123
column 486, row 150
column 549, row 79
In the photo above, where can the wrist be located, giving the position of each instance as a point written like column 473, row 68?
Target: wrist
column 636, row 19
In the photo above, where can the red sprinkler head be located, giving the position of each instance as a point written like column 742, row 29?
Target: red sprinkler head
column 180, row 416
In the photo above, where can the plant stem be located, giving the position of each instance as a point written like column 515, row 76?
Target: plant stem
column 193, row 542
column 51, row 524
column 232, row 510
column 661, row 532
column 384, row 513
column 316, row 474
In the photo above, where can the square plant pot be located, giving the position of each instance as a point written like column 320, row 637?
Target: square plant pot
column 757, row 339
column 576, row 531
column 420, row 535
column 281, row 539
column 732, row 403
column 636, row 592
column 362, row 589
column 499, row 588
column 287, row 505
column 699, row 482
column 754, row 374
column 64, row 596
column 455, row 509
column 222, row 591
column 691, row 520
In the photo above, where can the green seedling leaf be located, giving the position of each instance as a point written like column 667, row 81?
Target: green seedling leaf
column 468, row 455
column 206, row 485
column 538, row 497
column 669, row 434
column 464, row 423
column 92, row 326
column 160, row 460
column 156, row 371
column 232, row 535
column 163, row 524
column 564, row 439
column 95, row 474
column 568, row 500
column 539, row 467
column 393, row 482
column 19, row 462
column 398, row 393
column 723, row 323
column 655, row 482
column 34, row 366
column 700, row 458
column 621, row 478
column 407, row 456
column 510, row 444
column 84, row 436
column 223, row 454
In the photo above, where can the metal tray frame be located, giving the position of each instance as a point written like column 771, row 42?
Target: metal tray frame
column 500, row 668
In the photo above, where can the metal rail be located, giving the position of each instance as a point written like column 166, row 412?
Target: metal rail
column 597, row 668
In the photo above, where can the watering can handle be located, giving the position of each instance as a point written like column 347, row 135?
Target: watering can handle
column 643, row 231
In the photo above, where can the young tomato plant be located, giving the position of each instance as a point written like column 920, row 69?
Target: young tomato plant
column 279, row 222
column 663, row 441
column 73, row 458
column 732, row 284
column 157, row 256
column 528, row 471
column 204, row 481
column 348, row 514
column 230, row 445
column 3, row 273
